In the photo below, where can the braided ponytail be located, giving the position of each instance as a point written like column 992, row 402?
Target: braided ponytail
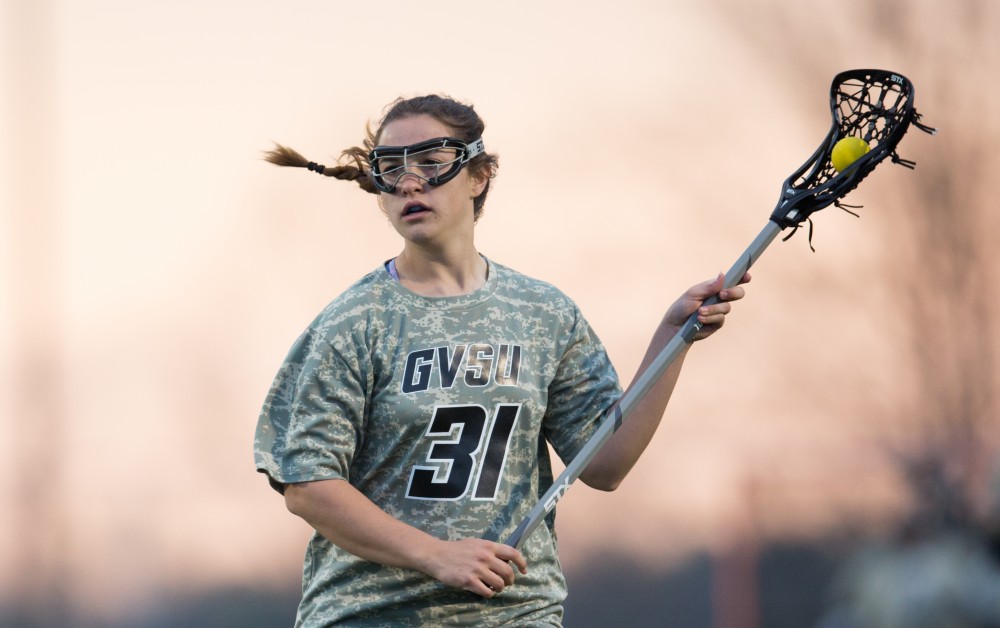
column 355, row 171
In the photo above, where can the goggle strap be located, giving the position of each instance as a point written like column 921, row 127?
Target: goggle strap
column 474, row 148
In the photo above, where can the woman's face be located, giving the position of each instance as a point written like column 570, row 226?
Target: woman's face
column 421, row 213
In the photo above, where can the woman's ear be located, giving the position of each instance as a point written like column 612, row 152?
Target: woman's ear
column 477, row 183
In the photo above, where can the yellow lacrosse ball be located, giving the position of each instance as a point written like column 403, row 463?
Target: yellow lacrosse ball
column 847, row 151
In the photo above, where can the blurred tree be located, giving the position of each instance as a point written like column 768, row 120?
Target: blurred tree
column 938, row 259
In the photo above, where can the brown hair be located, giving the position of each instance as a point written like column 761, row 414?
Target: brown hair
column 353, row 165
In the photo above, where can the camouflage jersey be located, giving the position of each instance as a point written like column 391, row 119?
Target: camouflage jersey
column 439, row 411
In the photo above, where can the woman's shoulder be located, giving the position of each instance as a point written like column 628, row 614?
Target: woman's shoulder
column 359, row 302
column 519, row 286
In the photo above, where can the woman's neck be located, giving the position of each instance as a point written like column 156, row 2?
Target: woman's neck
column 440, row 273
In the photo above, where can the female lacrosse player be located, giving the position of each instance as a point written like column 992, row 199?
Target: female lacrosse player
column 410, row 423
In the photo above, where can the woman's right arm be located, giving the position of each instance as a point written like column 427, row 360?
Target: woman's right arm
column 348, row 519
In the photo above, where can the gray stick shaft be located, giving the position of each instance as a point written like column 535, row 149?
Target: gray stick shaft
column 616, row 416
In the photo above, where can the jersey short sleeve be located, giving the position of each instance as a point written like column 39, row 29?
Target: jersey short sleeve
column 312, row 420
column 585, row 386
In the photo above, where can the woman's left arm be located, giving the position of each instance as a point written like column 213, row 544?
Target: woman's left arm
column 613, row 462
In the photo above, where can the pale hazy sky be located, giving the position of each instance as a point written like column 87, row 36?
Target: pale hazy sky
column 158, row 270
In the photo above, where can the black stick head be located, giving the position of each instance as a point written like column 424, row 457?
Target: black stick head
column 875, row 108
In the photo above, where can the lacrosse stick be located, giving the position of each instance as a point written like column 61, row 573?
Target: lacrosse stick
column 873, row 105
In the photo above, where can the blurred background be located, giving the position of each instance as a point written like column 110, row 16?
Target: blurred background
column 832, row 459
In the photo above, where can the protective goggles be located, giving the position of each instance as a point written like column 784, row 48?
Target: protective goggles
column 435, row 161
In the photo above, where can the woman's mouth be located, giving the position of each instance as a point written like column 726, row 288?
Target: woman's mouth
column 415, row 208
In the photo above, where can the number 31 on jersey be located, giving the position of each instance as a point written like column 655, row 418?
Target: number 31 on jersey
column 456, row 445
